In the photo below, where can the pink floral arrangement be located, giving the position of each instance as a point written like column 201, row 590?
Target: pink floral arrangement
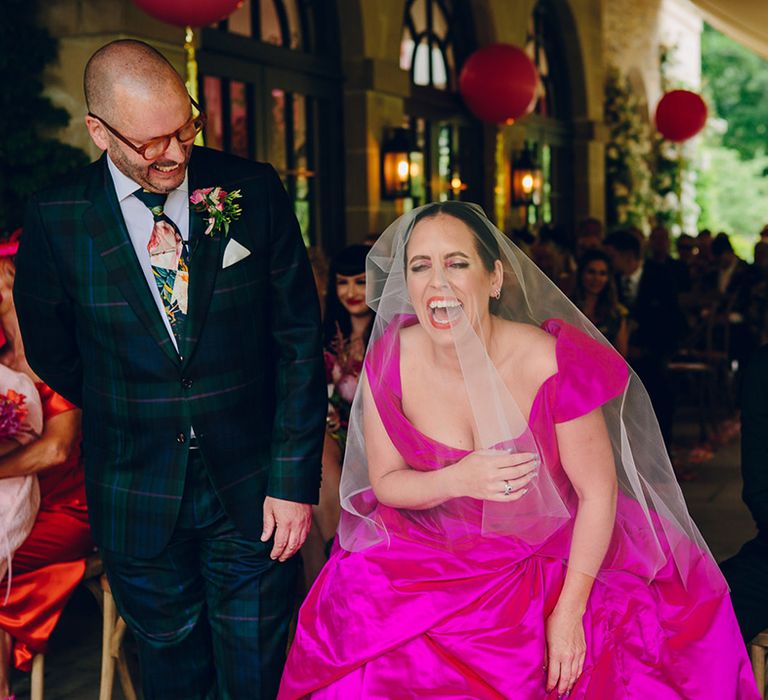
column 12, row 414
column 218, row 207
column 342, row 374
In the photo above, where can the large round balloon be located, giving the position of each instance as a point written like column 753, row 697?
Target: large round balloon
column 195, row 13
column 498, row 83
column 680, row 115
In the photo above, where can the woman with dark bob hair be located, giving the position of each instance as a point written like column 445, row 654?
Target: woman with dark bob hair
column 347, row 326
column 595, row 295
column 511, row 526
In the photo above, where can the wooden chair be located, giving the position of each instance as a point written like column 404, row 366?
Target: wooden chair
column 703, row 362
column 758, row 648
column 113, row 631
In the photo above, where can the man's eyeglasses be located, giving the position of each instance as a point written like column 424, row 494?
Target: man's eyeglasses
column 154, row 148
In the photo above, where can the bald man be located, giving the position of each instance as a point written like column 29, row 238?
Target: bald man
column 196, row 357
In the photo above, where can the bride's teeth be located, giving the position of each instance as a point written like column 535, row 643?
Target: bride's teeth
column 444, row 304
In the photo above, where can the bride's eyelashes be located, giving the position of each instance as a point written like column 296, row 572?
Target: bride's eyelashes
column 455, row 265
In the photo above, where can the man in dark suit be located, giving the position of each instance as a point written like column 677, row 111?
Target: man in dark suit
column 650, row 293
column 195, row 354
column 747, row 572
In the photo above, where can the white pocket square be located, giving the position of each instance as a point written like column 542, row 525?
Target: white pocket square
column 234, row 252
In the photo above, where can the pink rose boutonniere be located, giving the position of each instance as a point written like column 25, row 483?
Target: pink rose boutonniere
column 218, row 208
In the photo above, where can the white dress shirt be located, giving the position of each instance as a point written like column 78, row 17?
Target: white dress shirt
column 139, row 222
column 631, row 285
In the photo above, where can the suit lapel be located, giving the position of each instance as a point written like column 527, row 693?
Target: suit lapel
column 205, row 260
column 105, row 224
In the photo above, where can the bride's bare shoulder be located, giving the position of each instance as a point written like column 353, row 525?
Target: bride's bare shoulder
column 527, row 347
column 412, row 341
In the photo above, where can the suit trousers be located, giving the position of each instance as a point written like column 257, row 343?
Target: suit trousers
column 211, row 612
column 747, row 576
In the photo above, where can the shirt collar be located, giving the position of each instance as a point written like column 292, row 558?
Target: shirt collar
column 125, row 187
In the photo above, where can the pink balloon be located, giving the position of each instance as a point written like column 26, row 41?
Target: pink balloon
column 498, row 83
column 195, row 13
column 680, row 115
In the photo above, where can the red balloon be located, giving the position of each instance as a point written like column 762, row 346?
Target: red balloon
column 680, row 115
column 498, row 83
column 195, row 13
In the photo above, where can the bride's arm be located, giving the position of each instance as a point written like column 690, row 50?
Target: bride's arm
column 394, row 483
column 587, row 457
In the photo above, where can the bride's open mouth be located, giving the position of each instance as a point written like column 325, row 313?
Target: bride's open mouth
column 444, row 312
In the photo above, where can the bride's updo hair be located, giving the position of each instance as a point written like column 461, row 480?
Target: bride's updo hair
column 485, row 242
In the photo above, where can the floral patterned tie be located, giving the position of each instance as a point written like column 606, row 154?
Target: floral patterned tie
column 169, row 257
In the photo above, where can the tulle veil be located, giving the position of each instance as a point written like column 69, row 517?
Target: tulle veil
column 652, row 521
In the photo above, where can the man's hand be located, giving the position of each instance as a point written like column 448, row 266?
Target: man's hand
column 290, row 522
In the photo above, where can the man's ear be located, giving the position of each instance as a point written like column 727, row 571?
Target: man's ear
column 97, row 131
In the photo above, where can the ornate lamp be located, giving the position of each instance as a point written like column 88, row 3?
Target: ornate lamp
column 526, row 178
column 396, row 164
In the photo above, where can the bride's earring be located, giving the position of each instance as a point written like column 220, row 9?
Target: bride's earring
column 496, row 293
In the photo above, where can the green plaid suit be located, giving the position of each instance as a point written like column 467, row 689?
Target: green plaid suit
column 251, row 380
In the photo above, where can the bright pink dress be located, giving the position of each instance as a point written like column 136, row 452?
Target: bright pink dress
column 413, row 618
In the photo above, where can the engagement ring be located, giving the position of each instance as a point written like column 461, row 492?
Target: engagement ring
column 507, row 488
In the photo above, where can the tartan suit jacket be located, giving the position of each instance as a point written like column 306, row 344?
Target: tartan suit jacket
column 251, row 381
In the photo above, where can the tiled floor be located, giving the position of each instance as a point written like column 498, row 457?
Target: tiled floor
column 72, row 664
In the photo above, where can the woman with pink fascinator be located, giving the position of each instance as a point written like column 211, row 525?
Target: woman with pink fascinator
column 42, row 463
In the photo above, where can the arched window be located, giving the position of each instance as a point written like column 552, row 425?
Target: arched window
column 426, row 49
column 271, row 83
column 549, row 127
column 277, row 22
column 437, row 37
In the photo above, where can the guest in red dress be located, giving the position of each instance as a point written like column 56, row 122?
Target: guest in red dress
column 51, row 561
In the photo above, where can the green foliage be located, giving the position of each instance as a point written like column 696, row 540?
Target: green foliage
column 733, row 195
column 29, row 157
column 628, row 176
column 668, row 162
column 732, row 188
column 736, row 83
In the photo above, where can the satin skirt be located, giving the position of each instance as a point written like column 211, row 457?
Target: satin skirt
column 412, row 620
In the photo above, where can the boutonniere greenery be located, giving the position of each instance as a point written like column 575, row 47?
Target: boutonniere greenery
column 218, row 208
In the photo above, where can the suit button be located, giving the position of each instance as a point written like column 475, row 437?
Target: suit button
column 181, row 438
column 186, row 383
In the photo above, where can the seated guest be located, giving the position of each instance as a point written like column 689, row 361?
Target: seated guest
column 346, row 328
column 686, row 249
column 595, row 295
column 659, row 247
column 704, row 246
column 730, row 283
column 550, row 252
column 50, row 563
column 727, row 277
column 589, row 235
column 656, row 323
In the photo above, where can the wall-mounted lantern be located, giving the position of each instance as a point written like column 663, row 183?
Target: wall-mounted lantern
column 526, row 178
column 396, row 163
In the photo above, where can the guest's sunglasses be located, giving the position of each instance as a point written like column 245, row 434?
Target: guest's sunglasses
column 154, row 148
